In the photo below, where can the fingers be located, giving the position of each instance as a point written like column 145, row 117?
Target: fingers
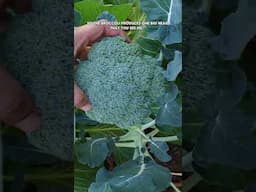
column 108, row 31
column 16, row 107
column 89, row 34
column 80, row 99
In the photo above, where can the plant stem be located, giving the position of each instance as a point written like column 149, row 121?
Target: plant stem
column 148, row 125
column 166, row 139
column 177, row 174
column 153, row 133
column 128, row 145
column 143, row 134
column 174, row 187
column 170, row 13
column 102, row 130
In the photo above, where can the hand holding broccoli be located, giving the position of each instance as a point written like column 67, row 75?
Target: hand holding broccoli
column 16, row 107
column 84, row 37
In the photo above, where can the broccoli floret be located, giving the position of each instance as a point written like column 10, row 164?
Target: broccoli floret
column 121, row 83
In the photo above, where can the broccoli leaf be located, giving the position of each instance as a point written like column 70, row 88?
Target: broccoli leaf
column 237, row 30
column 149, row 46
column 174, row 67
column 82, row 119
column 117, row 2
column 170, row 34
column 170, row 113
column 175, row 12
column 106, row 15
column 129, row 176
column 169, row 11
column 171, row 94
column 94, row 151
column 78, row 18
column 90, row 9
column 160, row 149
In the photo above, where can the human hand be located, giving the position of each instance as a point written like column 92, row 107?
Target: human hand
column 16, row 107
column 84, row 37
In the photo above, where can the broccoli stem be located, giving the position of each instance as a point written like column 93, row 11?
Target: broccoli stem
column 174, row 187
column 148, row 125
column 128, row 145
column 166, row 139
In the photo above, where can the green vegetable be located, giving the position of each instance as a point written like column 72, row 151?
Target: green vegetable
column 121, row 83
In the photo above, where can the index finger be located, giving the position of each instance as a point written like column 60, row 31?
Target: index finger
column 88, row 34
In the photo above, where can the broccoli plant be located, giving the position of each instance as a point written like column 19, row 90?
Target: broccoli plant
column 122, row 84
column 133, row 89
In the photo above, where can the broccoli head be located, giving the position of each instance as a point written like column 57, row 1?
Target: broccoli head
column 121, row 83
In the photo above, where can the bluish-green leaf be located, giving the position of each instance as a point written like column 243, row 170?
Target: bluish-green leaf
column 78, row 18
column 160, row 149
column 174, row 67
column 149, row 46
column 129, row 176
column 168, row 11
column 170, row 112
column 156, row 10
column 93, row 152
column 171, row 94
column 169, row 115
column 170, row 34
column 175, row 12
column 107, row 16
column 90, row 9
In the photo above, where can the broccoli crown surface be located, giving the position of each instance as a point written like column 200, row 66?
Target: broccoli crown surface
column 121, row 82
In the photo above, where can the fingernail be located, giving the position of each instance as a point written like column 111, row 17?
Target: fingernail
column 30, row 123
column 86, row 107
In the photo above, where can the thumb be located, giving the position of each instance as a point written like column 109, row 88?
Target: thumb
column 16, row 107
column 80, row 99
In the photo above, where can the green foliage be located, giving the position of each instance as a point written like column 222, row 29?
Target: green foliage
column 135, row 82
column 78, row 18
column 130, row 176
column 91, row 9
column 169, row 115
column 168, row 11
column 160, row 149
column 174, row 67
column 94, row 152
column 126, row 86
column 83, row 176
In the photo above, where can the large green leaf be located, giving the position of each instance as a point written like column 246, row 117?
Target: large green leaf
column 78, row 18
column 129, row 177
column 94, row 152
column 160, row 149
column 164, row 10
column 117, row 2
column 156, row 10
column 83, row 177
column 149, row 46
column 174, row 67
column 170, row 113
column 90, row 9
